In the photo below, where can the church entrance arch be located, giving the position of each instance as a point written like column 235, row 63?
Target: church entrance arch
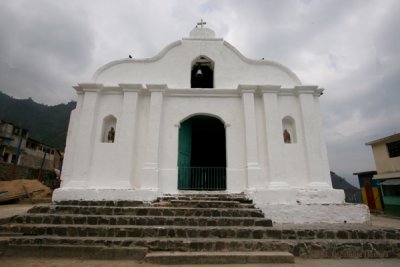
column 202, row 154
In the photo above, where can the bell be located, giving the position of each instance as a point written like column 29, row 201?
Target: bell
column 199, row 73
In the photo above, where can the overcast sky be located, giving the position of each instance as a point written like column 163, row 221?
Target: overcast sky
column 349, row 47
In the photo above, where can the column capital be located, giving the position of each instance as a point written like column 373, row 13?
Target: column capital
column 247, row 88
column 269, row 89
column 156, row 87
column 131, row 87
column 88, row 87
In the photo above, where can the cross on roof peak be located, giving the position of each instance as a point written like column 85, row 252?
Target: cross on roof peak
column 201, row 23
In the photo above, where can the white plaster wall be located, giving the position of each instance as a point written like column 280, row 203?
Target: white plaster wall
column 104, row 172
column 141, row 138
column 261, row 140
column 316, row 213
column 294, row 154
column 173, row 67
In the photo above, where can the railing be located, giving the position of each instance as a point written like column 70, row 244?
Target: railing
column 202, row 178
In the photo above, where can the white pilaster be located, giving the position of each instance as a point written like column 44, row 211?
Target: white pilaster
column 252, row 161
column 274, row 138
column 325, row 175
column 70, row 146
column 151, row 165
column 85, row 134
column 127, row 133
column 312, row 135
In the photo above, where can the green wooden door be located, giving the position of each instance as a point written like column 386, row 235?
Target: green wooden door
column 184, row 154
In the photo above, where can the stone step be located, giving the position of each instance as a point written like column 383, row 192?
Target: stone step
column 97, row 252
column 237, row 198
column 139, row 231
column 102, row 203
column 202, row 204
column 255, row 232
column 149, row 211
column 227, row 257
column 138, row 220
column 317, row 248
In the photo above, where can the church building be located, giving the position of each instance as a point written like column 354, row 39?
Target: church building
column 199, row 117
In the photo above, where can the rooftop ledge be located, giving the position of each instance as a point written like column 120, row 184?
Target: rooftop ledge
column 148, row 88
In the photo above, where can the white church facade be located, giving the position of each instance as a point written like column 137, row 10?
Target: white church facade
column 200, row 117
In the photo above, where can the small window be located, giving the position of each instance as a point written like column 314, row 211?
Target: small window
column 391, row 190
column 393, row 149
column 5, row 157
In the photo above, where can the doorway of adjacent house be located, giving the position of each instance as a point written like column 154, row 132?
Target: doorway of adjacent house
column 202, row 154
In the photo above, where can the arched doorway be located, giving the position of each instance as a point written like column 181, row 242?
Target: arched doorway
column 202, row 154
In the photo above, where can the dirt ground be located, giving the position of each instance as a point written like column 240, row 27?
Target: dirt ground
column 15, row 189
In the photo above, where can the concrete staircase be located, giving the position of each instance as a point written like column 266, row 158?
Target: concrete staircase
column 184, row 229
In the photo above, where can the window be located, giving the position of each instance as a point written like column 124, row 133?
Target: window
column 393, row 149
column 391, row 190
column 33, row 145
column 5, row 157
column 16, row 131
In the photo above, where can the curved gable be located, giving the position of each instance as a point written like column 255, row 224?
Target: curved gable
column 173, row 66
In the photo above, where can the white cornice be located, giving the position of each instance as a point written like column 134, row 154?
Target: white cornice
column 247, row 88
column 203, row 92
column 269, row 89
column 131, row 87
column 308, row 89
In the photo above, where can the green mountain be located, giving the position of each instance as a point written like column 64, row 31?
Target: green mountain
column 47, row 124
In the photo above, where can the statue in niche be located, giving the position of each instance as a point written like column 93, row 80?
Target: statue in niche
column 286, row 137
column 111, row 135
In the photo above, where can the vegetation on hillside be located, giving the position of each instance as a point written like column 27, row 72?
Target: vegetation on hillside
column 47, row 124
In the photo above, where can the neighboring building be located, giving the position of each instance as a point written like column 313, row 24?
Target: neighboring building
column 352, row 193
column 370, row 190
column 31, row 152
column 387, row 160
column 11, row 137
column 36, row 152
column 201, row 117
